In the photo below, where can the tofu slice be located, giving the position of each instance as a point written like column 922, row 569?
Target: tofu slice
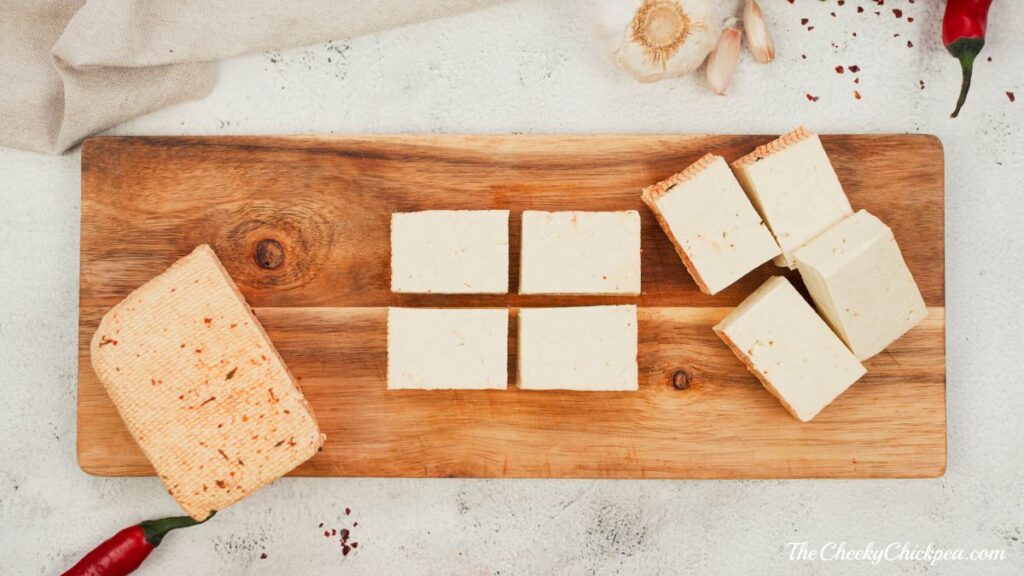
column 580, row 253
column 585, row 348
column 792, row 184
column 861, row 284
column 201, row 388
column 790, row 349
column 447, row 349
column 714, row 227
column 450, row 252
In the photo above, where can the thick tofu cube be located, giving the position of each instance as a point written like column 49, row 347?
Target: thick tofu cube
column 450, row 252
column 580, row 253
column 792, row 184
column 861, row 284
column 585, row 348
column 457, row 349
column 790, row 349
column 714, row 227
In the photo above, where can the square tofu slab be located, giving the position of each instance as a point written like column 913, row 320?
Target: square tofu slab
column 784, row 342
column 201, row 388
column 861, row 284
column 714, row 227
column 586, row 348
column 580, row 253
column 447, row 349
column 792, row 184
column 450, row 252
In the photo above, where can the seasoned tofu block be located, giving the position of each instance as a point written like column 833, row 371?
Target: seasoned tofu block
column 201, row 387
column 450, row 252
column 440, row 349
column 580, row 253
column 792, row 184
column 790, row 349
column 585, row 348
column 714, row 227
column 861, row 284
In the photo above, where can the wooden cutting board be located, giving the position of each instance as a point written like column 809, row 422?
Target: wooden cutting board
column 302, row 224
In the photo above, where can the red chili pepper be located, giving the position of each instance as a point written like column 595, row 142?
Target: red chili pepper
column 124, row 552
column 963, row 33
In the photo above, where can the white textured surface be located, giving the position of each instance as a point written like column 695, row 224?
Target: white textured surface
column 528, row 67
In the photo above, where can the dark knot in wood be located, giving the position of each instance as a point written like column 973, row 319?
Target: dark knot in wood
column 681, row 380
column 269, row 254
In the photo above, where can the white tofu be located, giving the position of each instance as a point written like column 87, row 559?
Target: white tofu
column 457, row 349
column 790, row 349
column 714, row 227
column 450, row 252
column 792, row 184
column 585, row 348
column 580, row 253
column 861, row 284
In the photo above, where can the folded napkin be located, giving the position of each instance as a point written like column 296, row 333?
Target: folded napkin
column 71, row 68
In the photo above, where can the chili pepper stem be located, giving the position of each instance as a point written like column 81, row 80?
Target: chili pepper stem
column 155, row 530
column 965, row 50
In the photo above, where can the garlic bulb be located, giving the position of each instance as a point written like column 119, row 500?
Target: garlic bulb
column 657, row 39
column 722, row 62
column 760, row 42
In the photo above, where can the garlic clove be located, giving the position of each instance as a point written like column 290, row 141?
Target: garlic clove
column 658, row 39
column 722, row 62
column 758, row 39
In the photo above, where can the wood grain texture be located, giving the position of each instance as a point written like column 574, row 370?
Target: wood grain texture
column 321, row 288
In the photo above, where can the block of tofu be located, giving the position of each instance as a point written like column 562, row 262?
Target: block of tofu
column 792, row 184
column 861, row 284
column 447, row 349
column 783, row 341
column 714, row 227
column 201, row 387
column 580, row 253
column 585, row 348
column 450, row 252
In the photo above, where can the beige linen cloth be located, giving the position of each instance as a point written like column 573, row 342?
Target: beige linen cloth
column 71, row 68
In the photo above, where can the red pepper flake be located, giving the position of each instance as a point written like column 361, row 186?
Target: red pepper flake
column 812, row 98
column 345, row 549
column 222, row 484
column 207, row 401
column 910, row 19
column 327, row 533
column 853, row 68
column 910, row 44
column 291, row 441
column 856, row 94
column 791, row 1
column 860, row 9
column 921, row 82
column 344, row 534
column 348, row 511
column 856, row 80
column 104, row 341
column 199, row 350
column 355, row 544
column 231, row 374
column 208, row 321
column 263, row 556
column 804, row 21
column 1011, row 96
column 334, row 532
column 897, row 12
column 841, row 2
column 839, row 70
column 809, row 28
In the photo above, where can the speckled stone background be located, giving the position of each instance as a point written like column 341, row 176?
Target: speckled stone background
column 530, row 66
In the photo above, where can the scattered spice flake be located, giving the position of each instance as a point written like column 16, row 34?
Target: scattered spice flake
column 833, row 14
column 231, row 374
column 349, row 510
column 804, row 56
column 856, row 94
column 278, row 445
column 321, row 525
column 327, row 533
column 910, row 19
column 272, row 397
column 233, row 326
column 804, row 21
column 263, row 556
column 811, row 98
column 897, row 12
column 334, row 532
column 105, row 340
column 860, row 9
column 208, row 321
column 841, row 2
column 354, row 524
column 921, row 82
column 856, row 80
column 1011, row 96
column 207, row 401
column 989, row 58
column 853, row 68
column 222, row 453
column 345, row 549
column 355, row 544
column 910, row 44
column 222, row 484
column 839, row 70
column 791, row 1
column 809, row 28
column 344, row 534
column 199, row 350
